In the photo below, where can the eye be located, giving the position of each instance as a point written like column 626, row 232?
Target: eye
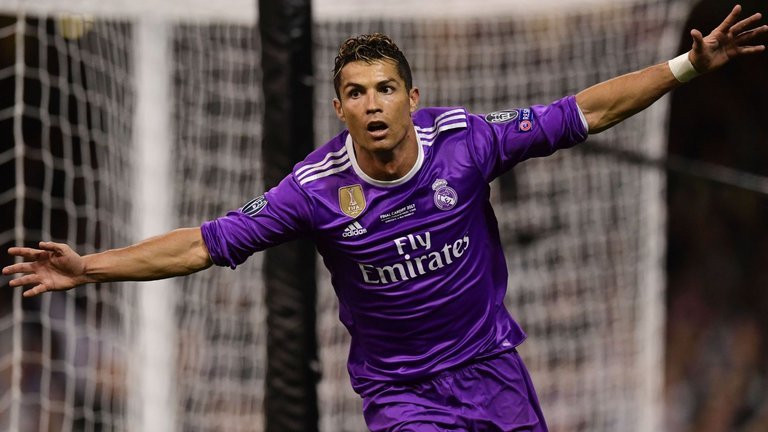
column 387, row 89
column 354, row 94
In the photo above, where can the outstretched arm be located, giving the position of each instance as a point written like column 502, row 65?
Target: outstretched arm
column 612, row 101
column 56, row 267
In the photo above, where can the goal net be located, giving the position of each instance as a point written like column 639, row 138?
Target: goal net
column 583, row 231
column 124, row 123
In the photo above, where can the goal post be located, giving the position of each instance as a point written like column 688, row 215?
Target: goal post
column 152, row 402
column 290, row 290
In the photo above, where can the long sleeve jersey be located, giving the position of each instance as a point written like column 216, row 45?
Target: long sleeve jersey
column 417, row 263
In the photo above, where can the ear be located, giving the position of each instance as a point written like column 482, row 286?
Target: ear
column 413, row 95
column 339, row 111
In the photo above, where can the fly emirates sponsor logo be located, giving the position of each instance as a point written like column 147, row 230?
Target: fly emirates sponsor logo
column 418, row 259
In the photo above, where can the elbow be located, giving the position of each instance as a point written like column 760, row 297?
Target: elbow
column 194, row 255
column 200, row 259
column 197, row 264
column 601, row 121
column 596, row 122
column 597, row 127
column 599, row 114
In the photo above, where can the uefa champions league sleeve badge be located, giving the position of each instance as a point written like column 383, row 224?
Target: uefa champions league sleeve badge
column 445, row 197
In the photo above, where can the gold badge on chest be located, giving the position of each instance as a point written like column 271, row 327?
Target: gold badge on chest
column 352, row 200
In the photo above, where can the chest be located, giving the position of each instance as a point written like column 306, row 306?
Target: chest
column 366, row 223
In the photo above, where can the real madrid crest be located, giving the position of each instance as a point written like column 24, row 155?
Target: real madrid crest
column 445, row 197
column 352, row 200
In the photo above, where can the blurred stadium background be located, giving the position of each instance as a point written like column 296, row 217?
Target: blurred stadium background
column 637, row 260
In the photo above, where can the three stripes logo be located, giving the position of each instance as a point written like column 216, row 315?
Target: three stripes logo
column 354, row 229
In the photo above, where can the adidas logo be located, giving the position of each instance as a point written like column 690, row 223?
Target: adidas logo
column 354, row 229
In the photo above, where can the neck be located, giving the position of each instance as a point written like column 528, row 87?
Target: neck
column 389, row 165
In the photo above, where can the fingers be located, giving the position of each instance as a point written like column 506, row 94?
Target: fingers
column 18, row 268
column 31, row 279
column 39, row 289
column 25, row 280
column 26, row 253
column 57, row 248
column 747, row 36
column 750, row 34
column 745, row 23
column 730, row 20
column 35, row 254
column 751, row 49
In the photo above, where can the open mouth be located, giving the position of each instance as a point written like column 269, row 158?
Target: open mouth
column 377, row 128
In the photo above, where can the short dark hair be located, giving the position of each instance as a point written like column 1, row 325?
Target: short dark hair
column 370, row 48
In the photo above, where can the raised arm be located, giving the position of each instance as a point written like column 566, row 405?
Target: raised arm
column 56, row 267
column 612, row 101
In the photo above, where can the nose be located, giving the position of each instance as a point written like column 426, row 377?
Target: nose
column 372, row 103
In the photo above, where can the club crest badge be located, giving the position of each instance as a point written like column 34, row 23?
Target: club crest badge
column 352, row 200
column 445, row 197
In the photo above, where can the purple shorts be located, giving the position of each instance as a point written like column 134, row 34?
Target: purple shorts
column 494, row 394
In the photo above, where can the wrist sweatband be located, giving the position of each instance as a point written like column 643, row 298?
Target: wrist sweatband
column 682, row 68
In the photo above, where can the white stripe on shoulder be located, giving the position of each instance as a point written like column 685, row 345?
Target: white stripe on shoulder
column 441, row 123
column 325, row 159
column 319, row 175
column 429, row 140
column 323, row 167
column 432, row 132
column 442, row 118
column 448, row 113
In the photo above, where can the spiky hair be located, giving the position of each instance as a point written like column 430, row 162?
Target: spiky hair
column 370, row 48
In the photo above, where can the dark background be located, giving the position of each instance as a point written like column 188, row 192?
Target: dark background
column 717, row 257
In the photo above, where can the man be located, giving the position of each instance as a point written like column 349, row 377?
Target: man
column 398, row 207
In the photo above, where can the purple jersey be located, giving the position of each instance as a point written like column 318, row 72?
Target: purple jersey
column 416, row 263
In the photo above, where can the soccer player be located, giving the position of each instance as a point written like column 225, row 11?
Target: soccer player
column 398, row 207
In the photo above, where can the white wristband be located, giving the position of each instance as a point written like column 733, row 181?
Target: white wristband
column 682, row 68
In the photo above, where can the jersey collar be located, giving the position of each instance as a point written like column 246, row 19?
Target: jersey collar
column 384, row 183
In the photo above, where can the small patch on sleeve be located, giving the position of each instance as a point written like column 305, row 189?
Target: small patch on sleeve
column 254, row 206
column 503, row 116
column 526, row 120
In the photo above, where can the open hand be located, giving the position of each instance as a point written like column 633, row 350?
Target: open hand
column 730, row 39
column 53, row 267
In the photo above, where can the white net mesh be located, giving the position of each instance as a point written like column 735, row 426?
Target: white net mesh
column 62, row 363
column 64, row 356
column 220, row 313
column 582, row 231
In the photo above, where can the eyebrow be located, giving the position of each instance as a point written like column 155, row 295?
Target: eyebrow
column 380, row 83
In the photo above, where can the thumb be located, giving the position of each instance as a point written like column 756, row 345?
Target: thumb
column 56, row 248
column 698, row 40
